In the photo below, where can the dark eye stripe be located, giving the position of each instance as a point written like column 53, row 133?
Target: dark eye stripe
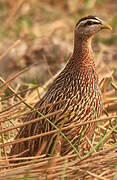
column 88, row 23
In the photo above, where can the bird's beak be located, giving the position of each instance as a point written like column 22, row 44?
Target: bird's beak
column 106, row 26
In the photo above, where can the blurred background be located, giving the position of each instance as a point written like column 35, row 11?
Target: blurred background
column 45, row 30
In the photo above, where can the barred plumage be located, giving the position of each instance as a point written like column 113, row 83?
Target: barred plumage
column 76, row 88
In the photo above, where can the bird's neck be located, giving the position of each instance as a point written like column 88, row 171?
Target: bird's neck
column 82, row 50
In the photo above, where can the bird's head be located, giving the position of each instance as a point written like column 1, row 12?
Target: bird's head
column 88, row 26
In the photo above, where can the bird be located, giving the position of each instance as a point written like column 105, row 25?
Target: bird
column 75, row 92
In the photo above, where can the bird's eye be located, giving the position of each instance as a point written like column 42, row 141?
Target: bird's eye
column 88, row 23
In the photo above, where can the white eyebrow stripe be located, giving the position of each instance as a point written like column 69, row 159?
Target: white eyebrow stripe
column 97, row 20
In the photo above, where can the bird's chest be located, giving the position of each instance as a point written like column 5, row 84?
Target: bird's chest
column 88, row 96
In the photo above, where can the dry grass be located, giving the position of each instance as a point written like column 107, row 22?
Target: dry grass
column 98, row 163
